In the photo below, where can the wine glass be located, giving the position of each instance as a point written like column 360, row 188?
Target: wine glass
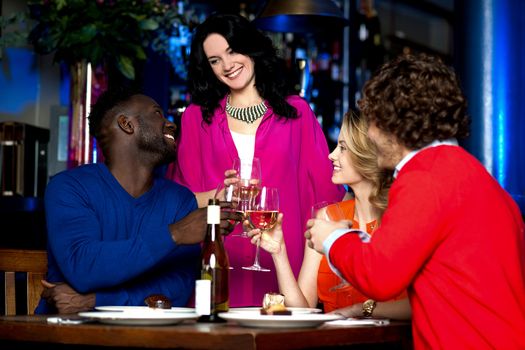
column 330, row 211
column 263, row 215
column 227, row 194
column 249, row 174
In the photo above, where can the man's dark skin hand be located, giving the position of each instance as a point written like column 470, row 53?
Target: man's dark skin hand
column 66, row 299
column 192, row 228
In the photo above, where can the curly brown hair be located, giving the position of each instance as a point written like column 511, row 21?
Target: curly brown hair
column 416, row 98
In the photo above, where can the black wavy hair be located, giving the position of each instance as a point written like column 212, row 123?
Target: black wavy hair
column 244, row 38
column 418, row 99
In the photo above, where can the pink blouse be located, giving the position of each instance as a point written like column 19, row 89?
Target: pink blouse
column 294, row 158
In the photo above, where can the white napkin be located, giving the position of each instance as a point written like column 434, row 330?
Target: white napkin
column 360, row 322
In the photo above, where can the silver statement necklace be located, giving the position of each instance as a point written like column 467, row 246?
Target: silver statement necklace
column 246, row 114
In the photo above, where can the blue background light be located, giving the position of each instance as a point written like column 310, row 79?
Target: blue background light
column 18, row 85
column 490, row 56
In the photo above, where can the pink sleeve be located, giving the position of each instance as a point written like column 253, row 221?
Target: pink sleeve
column 188, row 152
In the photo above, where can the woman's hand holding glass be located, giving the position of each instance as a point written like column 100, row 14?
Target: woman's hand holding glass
column 272, row 240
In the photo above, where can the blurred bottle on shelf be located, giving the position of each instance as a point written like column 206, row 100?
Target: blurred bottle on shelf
column 370, row 49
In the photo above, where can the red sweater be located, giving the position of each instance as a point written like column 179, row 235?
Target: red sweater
column 455, row 239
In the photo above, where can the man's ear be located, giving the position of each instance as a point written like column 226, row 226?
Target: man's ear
column 125, row 124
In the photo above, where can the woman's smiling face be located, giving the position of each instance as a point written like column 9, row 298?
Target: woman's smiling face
column 233, row 69
column 344, row 170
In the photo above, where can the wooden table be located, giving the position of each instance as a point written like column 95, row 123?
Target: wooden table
column 29, row 331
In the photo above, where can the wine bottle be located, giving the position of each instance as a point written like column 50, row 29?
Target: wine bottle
column 211, row 291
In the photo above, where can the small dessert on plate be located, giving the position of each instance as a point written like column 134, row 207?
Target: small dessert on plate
column 158, row 301
column 273, row 304
column 276, row 310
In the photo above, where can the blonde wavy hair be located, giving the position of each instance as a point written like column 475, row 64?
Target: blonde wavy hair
column 364, row 158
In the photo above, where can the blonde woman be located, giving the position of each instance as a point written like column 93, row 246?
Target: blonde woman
column 355, row 164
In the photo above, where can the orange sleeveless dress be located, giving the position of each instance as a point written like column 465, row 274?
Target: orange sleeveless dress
column 326, row 279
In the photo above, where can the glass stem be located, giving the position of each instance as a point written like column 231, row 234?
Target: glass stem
column 256, row 262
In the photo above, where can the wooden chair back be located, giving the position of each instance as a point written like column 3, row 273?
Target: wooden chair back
column 34, row 264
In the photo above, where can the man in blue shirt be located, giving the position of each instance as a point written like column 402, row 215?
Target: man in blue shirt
column 116, row 232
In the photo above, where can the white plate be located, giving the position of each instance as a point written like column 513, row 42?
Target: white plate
column 254, row 319
column 138, row 318
column 294, row 310
column 145, row 309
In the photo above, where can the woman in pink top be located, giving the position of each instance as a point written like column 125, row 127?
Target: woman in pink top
column 241, row 108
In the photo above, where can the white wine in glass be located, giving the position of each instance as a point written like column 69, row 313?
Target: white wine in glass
column 262, row 214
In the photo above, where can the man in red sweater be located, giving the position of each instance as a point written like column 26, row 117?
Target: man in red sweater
column 451, row 235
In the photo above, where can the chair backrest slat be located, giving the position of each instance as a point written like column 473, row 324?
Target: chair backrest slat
column 10, row 293
column 34, row 289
